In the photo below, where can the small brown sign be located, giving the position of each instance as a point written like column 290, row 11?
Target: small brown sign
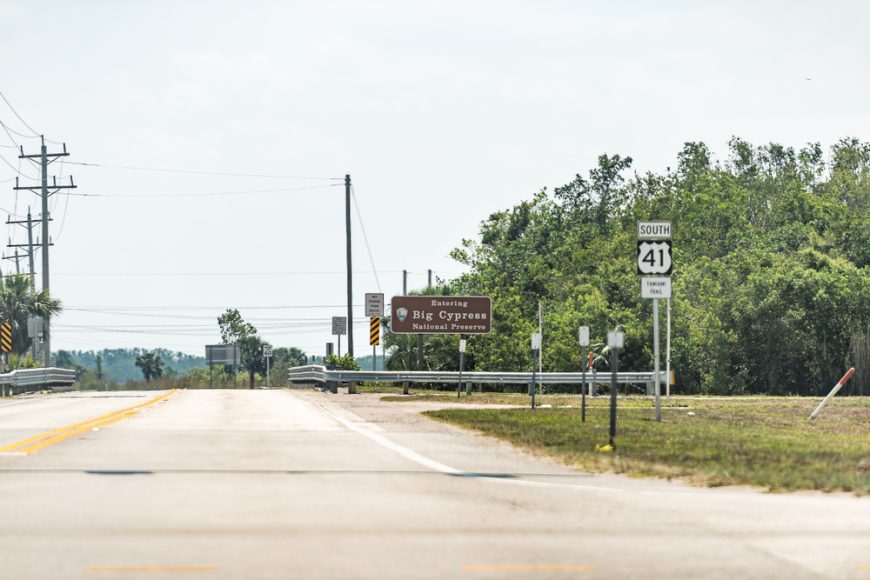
column 441, row 314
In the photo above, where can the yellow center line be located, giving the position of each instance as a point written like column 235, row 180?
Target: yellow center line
column 527, row 568
column 152, row 569
column 36, row 442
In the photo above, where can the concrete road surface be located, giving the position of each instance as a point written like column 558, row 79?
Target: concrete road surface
column 299, row 484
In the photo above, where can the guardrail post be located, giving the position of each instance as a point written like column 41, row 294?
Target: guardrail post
column 351, row 388
column 405, row 388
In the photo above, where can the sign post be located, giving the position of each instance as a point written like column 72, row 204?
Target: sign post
column 5, row 343
column 339, row 327
column 584, row 342
column 375, row 311
column 655, row 262
column 461, row 365
column 615, row 341
column 221, row 354
column 536, row 347
column 267, row 352
column 374, row 339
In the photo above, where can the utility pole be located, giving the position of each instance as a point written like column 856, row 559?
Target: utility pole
column 30, row 251
column 14, row 258
column 45, row 158
column 420, row 336
column 28, row 224
column 349, row 267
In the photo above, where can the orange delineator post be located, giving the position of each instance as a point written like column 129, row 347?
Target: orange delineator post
column 834, row 391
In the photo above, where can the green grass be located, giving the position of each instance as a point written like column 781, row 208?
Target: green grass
column 766, row 442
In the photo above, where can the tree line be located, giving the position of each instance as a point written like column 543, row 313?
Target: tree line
column 771, row 274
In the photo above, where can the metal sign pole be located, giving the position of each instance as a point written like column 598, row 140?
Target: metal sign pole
column 668, row 354
column 584, row 342
column 613, row 371
column 583, row 393
column 268, row 381
column 614, row 368
column 656, row 356
column 532, row 388
column 536, row 349
column 461, row 364
column 614, row 341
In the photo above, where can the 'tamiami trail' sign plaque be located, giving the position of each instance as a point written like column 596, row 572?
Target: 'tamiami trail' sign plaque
column 441, row 314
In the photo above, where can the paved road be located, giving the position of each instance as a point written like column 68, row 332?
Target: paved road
column 281, row 484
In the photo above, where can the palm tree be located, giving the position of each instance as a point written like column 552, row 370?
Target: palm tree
column 18, row 302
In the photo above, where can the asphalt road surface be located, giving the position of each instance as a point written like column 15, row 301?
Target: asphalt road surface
column 298, row 484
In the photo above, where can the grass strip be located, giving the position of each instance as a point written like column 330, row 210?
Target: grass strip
column 768, row 442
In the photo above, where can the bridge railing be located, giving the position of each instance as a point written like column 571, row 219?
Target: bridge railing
column 27, row 380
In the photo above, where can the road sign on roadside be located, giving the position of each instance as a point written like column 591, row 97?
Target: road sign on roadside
column 339, row 325
column 655, row 287
column 584, row 336
column 223, row 354
column 654, row 258
column 654, row 230
column 267, row 351
column 374, row 305
column 441, row 314
column 374, row 331
column 6, row 337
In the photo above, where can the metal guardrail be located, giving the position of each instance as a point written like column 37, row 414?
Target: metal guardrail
column 320, row 374
column 26, row 380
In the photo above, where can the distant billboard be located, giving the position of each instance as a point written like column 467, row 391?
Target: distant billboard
column 223, row 354
column 441, row 314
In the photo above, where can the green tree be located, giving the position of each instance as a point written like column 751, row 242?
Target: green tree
column 18, row 302
column 99, row 369
column 151, row 365
column 234, row 330
column 772, row 267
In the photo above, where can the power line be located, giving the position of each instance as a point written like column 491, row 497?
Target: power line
column 16, row 169
column 199, row 172
column 218, row 307
column 196, row 274
column 365, row 237
column 35, row 134
column 207, row 194
column 65, row 208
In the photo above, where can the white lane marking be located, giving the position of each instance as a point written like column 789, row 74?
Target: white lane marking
column 362, row 429
column 384, row 442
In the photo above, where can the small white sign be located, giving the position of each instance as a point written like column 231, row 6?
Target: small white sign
column 339, row 325
column 462, row 345
column 615, row 339
column 658, row 230
column 375, row 305
column 584, row 336
column 267, row 351
column 655, row 287
column 536, row 341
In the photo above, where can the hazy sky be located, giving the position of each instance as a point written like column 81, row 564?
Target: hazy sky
column 442, row 112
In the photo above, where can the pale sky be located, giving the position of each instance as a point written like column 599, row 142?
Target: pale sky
column 443, row 112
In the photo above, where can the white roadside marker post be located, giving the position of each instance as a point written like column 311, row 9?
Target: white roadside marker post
column 834, row 391
column 584, row 342
column 536, row 348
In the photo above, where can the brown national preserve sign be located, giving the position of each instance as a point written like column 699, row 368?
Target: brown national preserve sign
column 441, row 314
